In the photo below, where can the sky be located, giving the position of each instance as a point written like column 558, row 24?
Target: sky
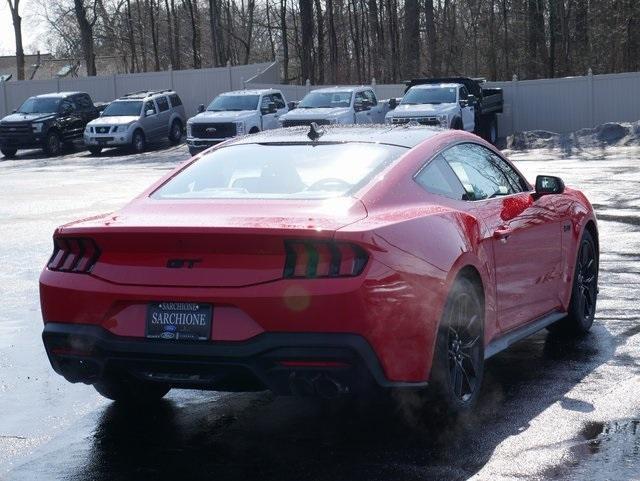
column 31, row 37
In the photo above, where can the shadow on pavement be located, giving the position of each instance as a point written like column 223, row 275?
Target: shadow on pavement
column 257, row 436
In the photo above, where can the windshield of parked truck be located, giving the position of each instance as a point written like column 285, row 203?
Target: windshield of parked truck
column 226, row 103
column 280, row 171
column 121, row 108
column 35, row 105
column 318, row 100
column 429, row 95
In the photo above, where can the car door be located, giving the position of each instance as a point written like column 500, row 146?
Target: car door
column 377, row 113
column 70, row 121
column 468, row 111
column 164, row 115
column 361, row 109
column 281, row 105
column 152, row 123
column 269, row 120
column 524, row 233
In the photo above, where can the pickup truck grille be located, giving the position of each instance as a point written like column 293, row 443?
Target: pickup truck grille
column 297, row 123
column 220, row 130
column 420, row 120
column 16, row 128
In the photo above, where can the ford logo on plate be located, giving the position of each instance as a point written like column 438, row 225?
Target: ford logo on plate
column 167, row 335
column 210, row 130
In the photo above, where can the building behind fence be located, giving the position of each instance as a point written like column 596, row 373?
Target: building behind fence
column 557, row 105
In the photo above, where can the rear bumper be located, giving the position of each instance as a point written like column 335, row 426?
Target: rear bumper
column 286, row 363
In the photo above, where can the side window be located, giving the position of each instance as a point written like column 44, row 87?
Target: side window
column 515, row 179
column 149, row 105
column 481, row 175
column 359, row 98
column 83, row 102
column 438, row 178
column 163, row 104
column 371, row 97
column 277, row 98
column 464, row 93
column 67, row 104
column 266, row 100
column 175, row 100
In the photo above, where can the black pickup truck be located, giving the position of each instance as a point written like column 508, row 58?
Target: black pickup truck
column 46, row 121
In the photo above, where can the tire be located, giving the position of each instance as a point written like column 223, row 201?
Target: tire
column 95, row 150
column 457, row 124
column 52, row 144
column 584, row 291
column 458, row 366
column 9, row 153
column 193, row 152
column 254, row 130
column 175, row 133
column 129, row 390
column 138, row 142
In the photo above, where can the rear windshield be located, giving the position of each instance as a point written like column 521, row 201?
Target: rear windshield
column 280, row 171
column 123, row 108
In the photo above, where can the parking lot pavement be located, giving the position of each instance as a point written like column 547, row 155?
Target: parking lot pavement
column 550, row 408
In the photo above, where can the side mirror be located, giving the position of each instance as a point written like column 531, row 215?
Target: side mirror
column 471, row 99
column 393, row 103
column 149, row 113
column 463, row 103
column 292, row 105
column 200, row 108
column 272, row 108
column 548, row 184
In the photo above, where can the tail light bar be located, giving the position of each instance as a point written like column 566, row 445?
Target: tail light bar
column 73, row 254
column 317, row 259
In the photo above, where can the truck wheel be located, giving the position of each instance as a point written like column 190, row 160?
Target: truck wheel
column 175, row 134
column 52, row 144
column 9, row 153
column 254, row 130
column 457, row 124
column 95, row 150
column 193, row 151
column 138, row 142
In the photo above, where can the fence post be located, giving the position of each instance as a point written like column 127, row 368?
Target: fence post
column 171, row 76
column 373, row 85
column 230, row 75
column 5, row 106
column 514, row 102
column 308, row 84
column 592, row 119
column 58, row 84
column 243, row 86
column 115, row 86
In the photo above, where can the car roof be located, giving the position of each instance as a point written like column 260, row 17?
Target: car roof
column 402, row 135
column 341, row 88
column 58, row 95
column 251, row 92
column 144, row 94
column 435, row 86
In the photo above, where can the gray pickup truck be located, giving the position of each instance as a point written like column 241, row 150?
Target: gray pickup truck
column 452, row 102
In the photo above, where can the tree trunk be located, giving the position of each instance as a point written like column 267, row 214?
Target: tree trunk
column 432, row 40
column 142, row 36
column 172, row 60
column 320, row 35
column 17, row 30
column 251, row 7
column 86, row 36
column 133, row 66
column 411, row 39
column 285, row 41
column 192, row 6
column 176, row 33
column 306, row 30
column 154, row 35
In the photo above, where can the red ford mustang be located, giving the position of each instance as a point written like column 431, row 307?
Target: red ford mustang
column 323, row 263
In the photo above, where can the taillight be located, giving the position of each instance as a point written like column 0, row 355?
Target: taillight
column 73, row 254
column 313, row 259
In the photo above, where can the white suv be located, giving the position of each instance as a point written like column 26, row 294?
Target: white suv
column 136, row 119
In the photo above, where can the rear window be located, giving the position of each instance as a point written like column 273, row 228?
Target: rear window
column 280, row 171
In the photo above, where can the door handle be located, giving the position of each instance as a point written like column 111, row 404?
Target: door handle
column 502, row 233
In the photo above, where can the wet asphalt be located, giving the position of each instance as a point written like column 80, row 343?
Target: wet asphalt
column 551, row 407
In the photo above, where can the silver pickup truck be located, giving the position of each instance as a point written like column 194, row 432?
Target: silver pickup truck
column 235, row 113
column 337, row 105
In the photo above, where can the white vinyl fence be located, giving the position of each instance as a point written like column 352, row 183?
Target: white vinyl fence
column 557, row 105
column 195, row 87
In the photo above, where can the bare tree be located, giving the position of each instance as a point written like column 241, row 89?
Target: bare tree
column 86, row 34
column 17, row 30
